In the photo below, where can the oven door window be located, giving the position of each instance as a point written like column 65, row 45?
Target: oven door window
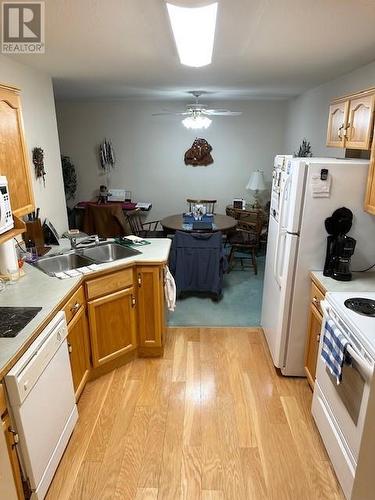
column 347, row 401
column 350, row 391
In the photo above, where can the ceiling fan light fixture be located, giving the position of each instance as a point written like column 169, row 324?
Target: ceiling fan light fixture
column 194, row 33
column 196, row 122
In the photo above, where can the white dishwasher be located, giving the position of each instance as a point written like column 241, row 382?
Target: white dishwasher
column 42, row 404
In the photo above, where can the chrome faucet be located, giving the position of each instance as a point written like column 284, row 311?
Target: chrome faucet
column 74, row 244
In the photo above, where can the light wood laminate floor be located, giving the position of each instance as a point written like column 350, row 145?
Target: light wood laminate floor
column 210, row 420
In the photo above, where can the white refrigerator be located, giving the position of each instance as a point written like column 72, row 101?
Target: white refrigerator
column 297, row 245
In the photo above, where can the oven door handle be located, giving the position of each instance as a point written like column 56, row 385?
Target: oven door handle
column 362, row 365
column 364, row 368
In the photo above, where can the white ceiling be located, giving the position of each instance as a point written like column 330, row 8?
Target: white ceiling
column 263, row 48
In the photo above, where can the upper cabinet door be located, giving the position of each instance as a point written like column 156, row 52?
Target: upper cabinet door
column 360, row 118
column 13, row 153
column 337, row 119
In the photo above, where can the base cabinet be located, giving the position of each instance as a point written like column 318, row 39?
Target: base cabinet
column 10, row 473
column 151, row 318
column 79, row 350
column 313, row 333
column 113, row 318
column 112, row 323
column 315, row 325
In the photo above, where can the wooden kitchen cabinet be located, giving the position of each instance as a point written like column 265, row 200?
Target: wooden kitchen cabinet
column 337, row 120
column 350, row 121
column 14, row 158
column 10, row 473
column 370, row 190
column 112, row 320
column 79, row 350
column 351, row 125
column 78, row 340
column 151, row 317
column 313, row 333
column 360, row 121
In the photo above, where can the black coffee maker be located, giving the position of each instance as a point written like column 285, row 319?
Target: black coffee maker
column 340, row 247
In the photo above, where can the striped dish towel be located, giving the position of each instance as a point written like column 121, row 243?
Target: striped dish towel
column 333, row 349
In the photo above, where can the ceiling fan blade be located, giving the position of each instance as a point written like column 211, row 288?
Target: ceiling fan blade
column 182, row 113
column 221, row 112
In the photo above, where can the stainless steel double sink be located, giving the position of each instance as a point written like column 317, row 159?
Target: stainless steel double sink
column 73, row 259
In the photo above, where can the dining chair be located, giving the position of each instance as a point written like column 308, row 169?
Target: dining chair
column 197, row 262
column 232, row 212
column 246, row 238
column 209, row 204
column 143, row 229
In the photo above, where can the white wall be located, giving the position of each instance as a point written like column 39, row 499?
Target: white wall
column 150, row 150
column 41, row 130
column 308, row 113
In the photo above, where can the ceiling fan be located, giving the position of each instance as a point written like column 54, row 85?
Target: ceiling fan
column 197, row 114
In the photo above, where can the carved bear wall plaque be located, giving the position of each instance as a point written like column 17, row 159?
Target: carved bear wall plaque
column 199, row 154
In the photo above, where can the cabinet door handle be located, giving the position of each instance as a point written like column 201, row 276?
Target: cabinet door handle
column 139, row 280
column 133, row 301
column 316, row 301
column 318, row 337
column 70, row 348
column 339, row 131
column 75, row 307
column 16, row 438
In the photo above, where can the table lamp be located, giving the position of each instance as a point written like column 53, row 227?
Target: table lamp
column 256, row 183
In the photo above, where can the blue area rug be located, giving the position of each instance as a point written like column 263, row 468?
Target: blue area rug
column 240, row 306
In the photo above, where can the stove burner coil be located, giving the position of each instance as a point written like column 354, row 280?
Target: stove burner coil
column 366, row 307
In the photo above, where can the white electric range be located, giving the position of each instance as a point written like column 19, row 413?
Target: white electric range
column 345, row 413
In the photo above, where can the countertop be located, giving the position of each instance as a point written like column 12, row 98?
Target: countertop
column 40, row 290
column 361, row 282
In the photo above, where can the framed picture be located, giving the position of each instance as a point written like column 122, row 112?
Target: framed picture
column 239, row 203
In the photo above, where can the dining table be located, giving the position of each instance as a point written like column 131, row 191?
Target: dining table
column 174, row 223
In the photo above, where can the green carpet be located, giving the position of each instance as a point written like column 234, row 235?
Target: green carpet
column 240, row 306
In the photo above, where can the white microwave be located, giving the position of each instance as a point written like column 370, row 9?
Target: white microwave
column 6, row 217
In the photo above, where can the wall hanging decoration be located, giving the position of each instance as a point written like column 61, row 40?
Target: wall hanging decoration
column 106, row 155
column 69, row 178
column 304, row 150
column 70, row 188
column 199, row 154
column 38, row 161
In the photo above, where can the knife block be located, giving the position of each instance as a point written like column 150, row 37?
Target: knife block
column 34, row 232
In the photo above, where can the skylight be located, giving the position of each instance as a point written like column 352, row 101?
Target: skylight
column 194, row 33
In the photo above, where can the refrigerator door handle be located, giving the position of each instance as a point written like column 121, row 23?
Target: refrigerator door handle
column 281, row 231
column 278, row 275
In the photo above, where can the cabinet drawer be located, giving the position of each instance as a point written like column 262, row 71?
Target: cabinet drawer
column 74, row 304
column 316, row 296
column 110, row 283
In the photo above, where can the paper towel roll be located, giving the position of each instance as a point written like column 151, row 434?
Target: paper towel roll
column 8, row 260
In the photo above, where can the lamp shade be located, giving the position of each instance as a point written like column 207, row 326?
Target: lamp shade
column 256, row 181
